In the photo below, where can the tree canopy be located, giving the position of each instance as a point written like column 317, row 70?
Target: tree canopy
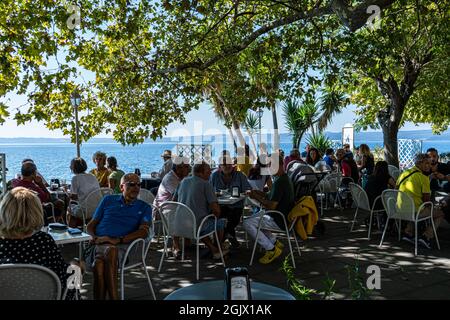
column 150, row 62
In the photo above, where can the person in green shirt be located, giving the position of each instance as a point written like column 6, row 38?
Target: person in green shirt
column 417, row 185
column 280, row 198
column 115, row 176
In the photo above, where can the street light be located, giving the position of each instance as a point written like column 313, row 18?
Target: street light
column 260, row 114
column 75, row 100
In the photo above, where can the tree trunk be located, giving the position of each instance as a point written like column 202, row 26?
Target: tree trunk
column 390, row 141
column 276, row 135
column 253, row 142
column 230, row 132
column 390, row 118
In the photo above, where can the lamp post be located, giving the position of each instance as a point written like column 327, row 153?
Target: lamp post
column 75, row 100
column 260, row 114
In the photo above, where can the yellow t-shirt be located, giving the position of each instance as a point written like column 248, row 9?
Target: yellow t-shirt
column 244, row 167
column 102, row 176
column 415, row 185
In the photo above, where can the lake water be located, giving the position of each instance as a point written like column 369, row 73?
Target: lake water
column 53, row 159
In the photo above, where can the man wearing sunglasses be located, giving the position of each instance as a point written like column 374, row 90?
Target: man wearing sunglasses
column 117, row 221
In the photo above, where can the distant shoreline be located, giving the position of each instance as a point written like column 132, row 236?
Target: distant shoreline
column 425, row 135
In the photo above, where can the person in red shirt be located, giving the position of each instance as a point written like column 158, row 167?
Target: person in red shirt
column 32, row 181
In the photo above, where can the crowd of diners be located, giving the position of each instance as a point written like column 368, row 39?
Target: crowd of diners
column 121, row 217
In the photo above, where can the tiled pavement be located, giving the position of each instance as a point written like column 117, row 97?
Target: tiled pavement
column 403, row 276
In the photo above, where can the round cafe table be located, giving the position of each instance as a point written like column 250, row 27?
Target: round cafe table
column 214, row 290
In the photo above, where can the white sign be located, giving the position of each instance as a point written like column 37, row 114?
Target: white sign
column 347, row 135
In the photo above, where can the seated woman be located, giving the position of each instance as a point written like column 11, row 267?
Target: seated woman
column 82, row 185
column 21, row 241
column 115, row 176
column 313, row 157
column 367, row 163
column 100, row 172
column 379, row 181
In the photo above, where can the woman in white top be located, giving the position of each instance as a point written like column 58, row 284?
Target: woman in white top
column 258, row 181
column 82, row 185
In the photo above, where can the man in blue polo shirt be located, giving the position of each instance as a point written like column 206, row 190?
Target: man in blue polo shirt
column 117, row 221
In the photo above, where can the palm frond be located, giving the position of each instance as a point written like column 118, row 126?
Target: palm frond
column 331, row 102
column 251, row 122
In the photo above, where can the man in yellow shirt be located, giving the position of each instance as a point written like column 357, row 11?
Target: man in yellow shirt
column 417, row 185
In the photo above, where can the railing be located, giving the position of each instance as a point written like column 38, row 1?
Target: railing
column 195, row 152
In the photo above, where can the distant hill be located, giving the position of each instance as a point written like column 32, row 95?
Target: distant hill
column 425, row 135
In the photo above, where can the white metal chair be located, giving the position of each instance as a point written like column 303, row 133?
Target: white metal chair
column 407, row 212
column 106, row 191
column 394, row 172
column 179, row 220
column 90, row 204
column 287, row 231
column 28, row 282
column 361, row 199
column 329, row 185
column 52, row 207
column 138, row 250
column 146, row 195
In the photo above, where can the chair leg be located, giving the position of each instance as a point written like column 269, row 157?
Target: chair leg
column 415, row 237
column 163, row 254
column 370, row 224
column 290, row 246
column 149, row 280
column 198, row 259
column 435, row 233
column 296, row 242
column 399, row 230
column 182, row 249
column 354, row 219
column 384, row 232
column 122, row 285
column 256, row 241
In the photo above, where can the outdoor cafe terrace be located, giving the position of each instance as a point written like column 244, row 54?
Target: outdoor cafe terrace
column 332, row 255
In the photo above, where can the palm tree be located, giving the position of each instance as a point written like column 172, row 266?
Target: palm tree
column 331, row 103
column 299, row 118
column 251, row 124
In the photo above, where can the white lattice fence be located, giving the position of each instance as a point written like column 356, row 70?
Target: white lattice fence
column 195, row 152
column 407, row 149
column 336, row 144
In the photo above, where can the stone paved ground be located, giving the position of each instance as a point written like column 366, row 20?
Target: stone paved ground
column 403, row 276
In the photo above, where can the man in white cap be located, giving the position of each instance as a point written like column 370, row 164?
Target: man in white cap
column 168, row 164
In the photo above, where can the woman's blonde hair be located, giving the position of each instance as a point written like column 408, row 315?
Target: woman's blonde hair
column 365, row 150
column 99, row 154
column 20, row 213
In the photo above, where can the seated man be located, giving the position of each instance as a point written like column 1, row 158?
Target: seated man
column 439, row 173
column 118, row 220
column 167, row 188
column 330, row 158
column 37, row 172
column 168, row 163
column 293, row 156
column 171, row 180
column 280, row 198
column 196, row 193
column 415, row 183
column 226, row 178
column 30, row 180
